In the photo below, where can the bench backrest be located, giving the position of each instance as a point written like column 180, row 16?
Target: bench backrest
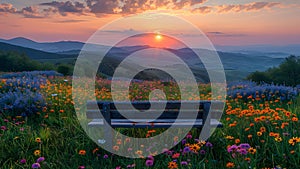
column 171, row 110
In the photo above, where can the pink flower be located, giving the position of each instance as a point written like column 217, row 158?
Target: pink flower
column 149, row 163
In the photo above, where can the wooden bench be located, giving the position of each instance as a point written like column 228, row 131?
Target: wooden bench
column 149, row 119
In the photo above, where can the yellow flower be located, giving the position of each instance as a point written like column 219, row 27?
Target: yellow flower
column 259, row 133
column 194, row 147
column 294, row 140
column 229, row 137
column 278, row 139
column 252, row 150
column 38, row 140
column 37, row 152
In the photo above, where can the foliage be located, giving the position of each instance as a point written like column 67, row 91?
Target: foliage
column 256, row 134
column 12, row 61
column 20, row 95
column 65, row 69
column 287, row 73
column 263, row 92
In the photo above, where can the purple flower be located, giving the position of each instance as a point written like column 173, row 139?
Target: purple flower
column 23, row 161
column 151, row 158
column 232, row 148
column 186, row 149
column 105, row 156
column 149, row 163
column 81, row 167
column 184, row 163
column 189, row 136
column 36, row 165
column 41, row 159
column 202, row 152
column 245, row 145
column 208, row 144
column 118, row 167
column 3, row 128
column 242, row 151
column 183, row 141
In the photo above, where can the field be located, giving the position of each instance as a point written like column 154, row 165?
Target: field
column 40, row 129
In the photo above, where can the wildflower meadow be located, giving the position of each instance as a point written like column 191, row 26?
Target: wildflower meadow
column 40, row 129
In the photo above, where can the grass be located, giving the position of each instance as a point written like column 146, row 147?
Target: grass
column 267, row 126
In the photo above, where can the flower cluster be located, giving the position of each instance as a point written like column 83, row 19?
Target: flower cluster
column 268, row 92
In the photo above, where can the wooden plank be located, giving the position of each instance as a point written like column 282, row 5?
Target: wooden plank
column 162, row 124
column 168, row 114
column 146, row 104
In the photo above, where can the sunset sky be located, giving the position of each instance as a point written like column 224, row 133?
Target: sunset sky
column 225, row 22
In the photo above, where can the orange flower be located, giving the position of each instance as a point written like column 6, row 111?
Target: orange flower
column 116, row 148
column 237, row 141
column 276, row 135
column 295, row 119
column 38, row 140
column 247, row 159
column 230, row 165
column 259, row 133
column 252, row 150
column 82, row 152
column 232, row 125
column 262, row 129
column 95, row 150
column 172, row 165
column 250, row 136
column 294, row 140
column 194, row 147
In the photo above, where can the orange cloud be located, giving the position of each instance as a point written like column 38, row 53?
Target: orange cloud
column 255, row 6
column 100, row 8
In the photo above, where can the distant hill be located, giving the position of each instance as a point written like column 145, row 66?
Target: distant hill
column 263, row 49
column 53, row 47
column 36, row 54
column 237, row 65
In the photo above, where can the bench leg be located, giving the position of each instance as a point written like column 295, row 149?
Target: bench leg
column 108, row 137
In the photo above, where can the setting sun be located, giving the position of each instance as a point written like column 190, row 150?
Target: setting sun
column 158, row 37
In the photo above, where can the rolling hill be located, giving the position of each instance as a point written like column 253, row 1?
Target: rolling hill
column 37, row 54
column 236, row 65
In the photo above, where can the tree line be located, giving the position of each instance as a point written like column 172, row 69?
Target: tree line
column 17, row 62
column 287, row 73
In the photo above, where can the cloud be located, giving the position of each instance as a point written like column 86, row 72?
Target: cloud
column 123, row 31
column 222, row 34
column 65, row 7
column 255, row 6
column 102, row 8
column 31, row 12
column 70, row 21
column 203, row 10
column 27, row 12
column 7, row 8
column 137, row 6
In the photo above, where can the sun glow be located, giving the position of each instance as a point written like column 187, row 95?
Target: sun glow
column 158, row 37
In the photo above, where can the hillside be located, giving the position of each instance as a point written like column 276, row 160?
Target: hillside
column 37, row 54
